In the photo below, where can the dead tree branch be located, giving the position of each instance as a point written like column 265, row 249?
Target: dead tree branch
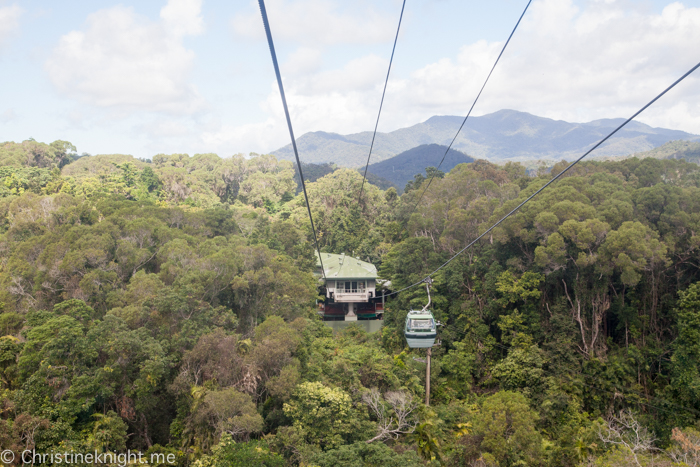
column 394, row 412
column 625, row 431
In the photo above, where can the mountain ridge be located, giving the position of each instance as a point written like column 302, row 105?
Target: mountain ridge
column 499, row 136
column 401, row 168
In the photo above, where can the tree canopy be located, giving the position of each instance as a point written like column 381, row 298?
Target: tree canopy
column 170, row 306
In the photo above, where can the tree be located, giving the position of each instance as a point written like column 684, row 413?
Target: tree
column 228, row 411
column 432, row 172
column 150, row 180
column 685, row 449
column 236, row 454
column 366, row 455
column 521, row 369
column 685, row 374
column 215, row 357
column 108, row 432
column 399, row 419
column 506, row 429
column 427, row 442
column 634, row 248
column 275, row 343
column 414, row 184
column 628, row 434
column 325, row 416
column 270, row 284
column 34, row 154
column 10, row 348
column 341, row 223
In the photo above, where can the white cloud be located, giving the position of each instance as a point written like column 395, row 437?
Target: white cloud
column 360, row 74
column 304, row 60
column 182, row 17
column 165, row 129
column 341, row 100
column 564, row 62
column 123, row 61
column 318, row 22
column 599, row 60
column 227, row 140
column 8, row 116
column 574, row 65
column 9, row 22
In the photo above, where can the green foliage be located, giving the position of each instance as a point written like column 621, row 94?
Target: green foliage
column 224, row 411
column 233, row 454
column 687, row 150
column 361, row 454
column 685, row 381
column 10, row 348
column 519, row 290
column 427, row 441
column 170, row 305
column 633, row 248
column 108, row 433
column 506, row 428
column 521, row 369
column 312, row 172
column 323, row 415
column 31, row 153
column 19, row 180
column 400, row 168
column 342, row 225
column 458, row 366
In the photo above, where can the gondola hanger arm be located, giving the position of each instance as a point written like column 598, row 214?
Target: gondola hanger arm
column 428, row 281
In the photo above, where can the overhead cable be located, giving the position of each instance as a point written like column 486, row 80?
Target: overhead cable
column 263, row 12
column 381, row 103
column 554, row 179
column 430, row 180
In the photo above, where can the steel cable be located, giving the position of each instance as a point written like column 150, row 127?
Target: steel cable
column 554, row 179
column 471, row 108
column 381, row 103
column 263, row 12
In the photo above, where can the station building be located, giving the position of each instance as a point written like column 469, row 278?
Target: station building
column 350, row 289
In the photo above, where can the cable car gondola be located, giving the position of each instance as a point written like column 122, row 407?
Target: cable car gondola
column 421, row 329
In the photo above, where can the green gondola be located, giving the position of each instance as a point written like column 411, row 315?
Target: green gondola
column 420, row 330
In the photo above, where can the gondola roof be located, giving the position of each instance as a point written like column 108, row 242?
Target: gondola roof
column 419, row 314
column 345, row 267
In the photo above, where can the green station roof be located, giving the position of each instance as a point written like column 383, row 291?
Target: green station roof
column 345, row 267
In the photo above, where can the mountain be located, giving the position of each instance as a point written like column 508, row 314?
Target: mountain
column 381, row 182
column 502, row 135
column 400, row 169
column 313, row 172
column 675, row 150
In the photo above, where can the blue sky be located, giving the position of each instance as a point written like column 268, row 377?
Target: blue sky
column 195, row 76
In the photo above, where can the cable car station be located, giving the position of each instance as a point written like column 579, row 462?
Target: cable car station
column 350, row 291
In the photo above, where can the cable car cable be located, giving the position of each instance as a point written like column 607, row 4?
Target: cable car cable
column 381, row 103
column 263, row 12
column 472, row 107
column 554, row 179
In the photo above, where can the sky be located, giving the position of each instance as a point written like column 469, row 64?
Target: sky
column 195, row 76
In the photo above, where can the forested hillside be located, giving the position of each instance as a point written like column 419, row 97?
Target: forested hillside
column 401, row 168
column 688, row 150
column 170, row 307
